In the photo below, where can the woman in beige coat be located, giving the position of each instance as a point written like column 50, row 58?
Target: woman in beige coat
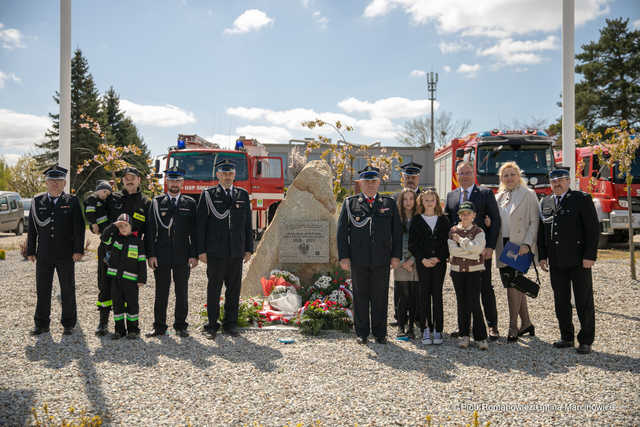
column 519, row 214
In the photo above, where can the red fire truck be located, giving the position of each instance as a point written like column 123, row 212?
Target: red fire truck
column 261, row 175
column 609, row 192
column 531, row 149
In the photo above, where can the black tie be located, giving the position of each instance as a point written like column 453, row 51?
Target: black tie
column 558, row 199
column 228, row 192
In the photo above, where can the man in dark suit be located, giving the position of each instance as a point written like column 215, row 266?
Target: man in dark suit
column 224, row 241
column 410, row 178
column 369, row 239
column 486, row 213
column 55, row 242
column 171, row 247
column 568, row 246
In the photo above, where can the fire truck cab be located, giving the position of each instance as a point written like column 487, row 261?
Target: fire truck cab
column 609, row 192
column 531, row 149
column 261, row 175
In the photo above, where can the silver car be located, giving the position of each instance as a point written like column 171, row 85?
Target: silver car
column 11, row 213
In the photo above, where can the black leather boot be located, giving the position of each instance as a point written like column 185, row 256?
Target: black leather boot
column 101, row 330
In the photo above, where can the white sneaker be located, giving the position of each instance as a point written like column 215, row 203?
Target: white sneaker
column 463, row 342
column 426, row 337
column 437, row 338
column 483, row 345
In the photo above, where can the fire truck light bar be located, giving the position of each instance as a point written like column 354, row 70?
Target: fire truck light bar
column 496, row 132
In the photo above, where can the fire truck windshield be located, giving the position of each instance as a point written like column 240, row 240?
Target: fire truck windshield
column 199, row 166
column 532, row 159
column 635, row 173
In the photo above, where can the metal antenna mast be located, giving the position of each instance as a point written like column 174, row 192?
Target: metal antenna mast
column 432, row 83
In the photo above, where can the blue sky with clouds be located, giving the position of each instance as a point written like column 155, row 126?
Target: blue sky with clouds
column 258, row 68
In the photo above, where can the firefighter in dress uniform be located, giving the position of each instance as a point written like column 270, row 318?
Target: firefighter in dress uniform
column 172, row 249
column 55, row 242
column 410, row 181
column 568, row 246
column 96, row 213
column 224, row 241
column 369, row 239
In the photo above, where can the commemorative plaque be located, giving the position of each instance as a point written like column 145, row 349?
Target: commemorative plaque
column 304, row 242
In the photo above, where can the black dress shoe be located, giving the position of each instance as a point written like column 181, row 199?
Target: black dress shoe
column 531, row 330
column 455, row 334
column 210, row 333
column 37, row 331
column 232, row 332
column 381, row 340
column 117, row 336
column 362, row 340
column 67, row 331
column 512, row 339
column 563, row 344
column 584, row 349
column 182, row 333
column 155, row 333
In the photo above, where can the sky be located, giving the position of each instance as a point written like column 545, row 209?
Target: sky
column 258, row 68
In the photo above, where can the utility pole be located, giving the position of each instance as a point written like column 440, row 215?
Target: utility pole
column 432, row 83
column 64, row 138
column 568, row 90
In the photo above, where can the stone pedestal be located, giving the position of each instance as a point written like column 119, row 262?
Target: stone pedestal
column 309, row 200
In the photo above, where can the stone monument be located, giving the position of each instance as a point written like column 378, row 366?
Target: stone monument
column 302, row 235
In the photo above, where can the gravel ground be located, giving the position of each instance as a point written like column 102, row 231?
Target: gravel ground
column 255, row 379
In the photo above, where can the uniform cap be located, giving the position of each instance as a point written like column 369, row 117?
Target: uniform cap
column 55, row 172
column 411, row 168
column 225, row 165
column 561, row 172
column 103, row 185
column 467, row 206
column 131, row 170
column 369, row 173
column 174, row 173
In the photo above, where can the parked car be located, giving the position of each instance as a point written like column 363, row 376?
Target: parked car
column 11, row 213
column 26, row 204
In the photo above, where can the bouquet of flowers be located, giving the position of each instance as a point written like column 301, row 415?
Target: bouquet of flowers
column 248, row 313
column 334, row 286
column 282, row 298
column 317, row 315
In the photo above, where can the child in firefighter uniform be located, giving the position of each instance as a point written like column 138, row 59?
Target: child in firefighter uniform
column 126, row 271
column 95, row 210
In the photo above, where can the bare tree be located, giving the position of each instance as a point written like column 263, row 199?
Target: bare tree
column 417, row 132
column 531, row 123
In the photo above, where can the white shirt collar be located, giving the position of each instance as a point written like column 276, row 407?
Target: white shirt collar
column 468, row 189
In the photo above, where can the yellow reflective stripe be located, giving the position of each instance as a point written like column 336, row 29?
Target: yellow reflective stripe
column 139, row 216
column 117, row 245
column 129, row 276
column 112, row 271
column 107, row 303
column 90, row 209
column 142, row 258
column 101, row 219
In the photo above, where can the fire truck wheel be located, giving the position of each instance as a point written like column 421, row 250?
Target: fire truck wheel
column 603, row 241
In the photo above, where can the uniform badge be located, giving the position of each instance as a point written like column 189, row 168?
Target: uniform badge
column 360, row 199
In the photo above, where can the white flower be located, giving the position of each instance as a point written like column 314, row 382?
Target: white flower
column 335, row 295
column 323, row 282
column 342, row 299
column 279, row 289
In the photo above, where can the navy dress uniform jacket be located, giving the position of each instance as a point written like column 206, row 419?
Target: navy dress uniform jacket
column 57, row 230
column 171, row 230
column 224, row 223
column 369, row 235
column 569, row 232
column 485, row 202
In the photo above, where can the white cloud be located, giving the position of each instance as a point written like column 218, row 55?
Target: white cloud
column 225, row 141
column 454, row 46
column 8, row 77
column 491, row 18
column 10, row 38
column 509, row 51
column 468, row 70
column 11, row 158
column 417, row 73
column 320, row 19
column 447, row 68
column 266, row 134
column 250, row 20
column 305, row 3
column 390, row 108
column 19, row 132
column 290, row 119
column 157, row 115
column 636, row 24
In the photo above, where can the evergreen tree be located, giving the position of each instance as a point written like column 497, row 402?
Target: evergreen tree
column 610, row 89
column 121, row 131
column 85, row 101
